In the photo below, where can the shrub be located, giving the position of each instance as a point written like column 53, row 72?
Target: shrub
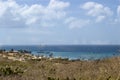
column 50, row 78
column 9, row 70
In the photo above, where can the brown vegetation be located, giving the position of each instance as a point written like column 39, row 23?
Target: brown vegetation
column 63, row 69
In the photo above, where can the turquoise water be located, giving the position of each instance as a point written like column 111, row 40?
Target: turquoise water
column 80, row 55
column 84, row 52
column 83, row 55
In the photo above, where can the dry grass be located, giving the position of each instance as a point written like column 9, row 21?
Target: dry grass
column 107, row 69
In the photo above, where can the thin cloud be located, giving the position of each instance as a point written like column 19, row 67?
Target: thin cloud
column 96, row 10
column 76, row 23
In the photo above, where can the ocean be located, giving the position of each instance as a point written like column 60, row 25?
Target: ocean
column 83, row 52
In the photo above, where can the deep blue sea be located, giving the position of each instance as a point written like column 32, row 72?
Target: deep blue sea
column 84, row 52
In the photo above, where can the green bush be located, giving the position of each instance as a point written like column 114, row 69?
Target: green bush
column 9, row 70
column 50, row 78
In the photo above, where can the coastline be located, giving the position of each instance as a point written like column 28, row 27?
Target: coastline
column 51, row 68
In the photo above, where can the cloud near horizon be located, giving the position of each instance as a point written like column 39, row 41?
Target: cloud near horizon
column 57, row 21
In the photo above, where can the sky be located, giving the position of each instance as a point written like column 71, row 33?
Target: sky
column 58, row 22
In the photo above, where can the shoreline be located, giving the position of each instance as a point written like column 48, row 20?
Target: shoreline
column 22, row 55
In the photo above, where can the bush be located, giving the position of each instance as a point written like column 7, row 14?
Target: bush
column 9, row 70
column 50, row 78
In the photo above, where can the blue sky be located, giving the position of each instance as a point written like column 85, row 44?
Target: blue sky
column 52, row 22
